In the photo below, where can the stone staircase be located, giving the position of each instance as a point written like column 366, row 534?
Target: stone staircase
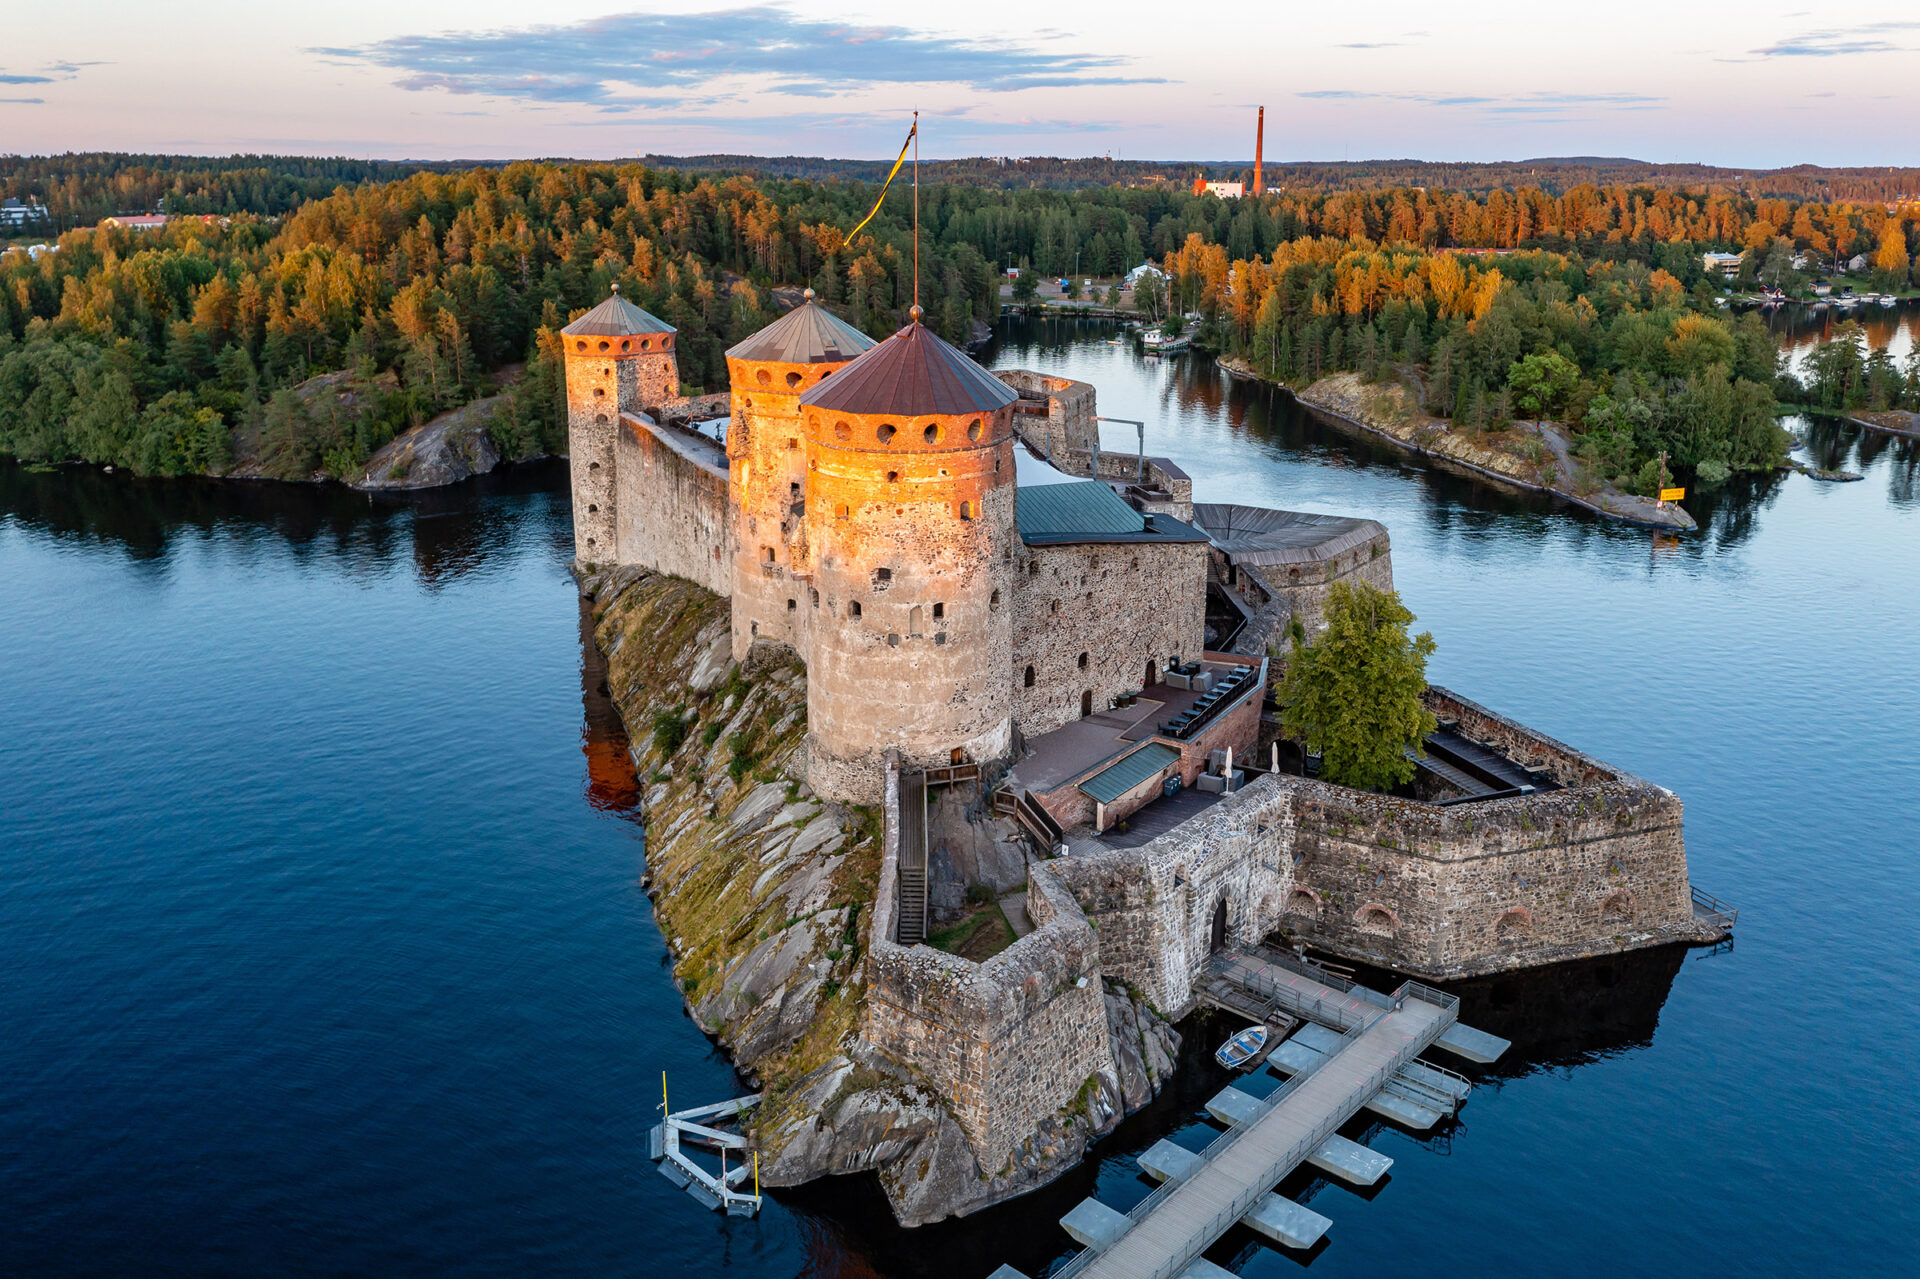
column 910, row 926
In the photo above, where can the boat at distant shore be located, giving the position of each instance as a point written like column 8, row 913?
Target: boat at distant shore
column 1158, row 343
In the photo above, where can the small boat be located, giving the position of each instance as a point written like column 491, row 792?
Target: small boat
column 1242, row 1049
column 1887, row 299
column 1158, row 343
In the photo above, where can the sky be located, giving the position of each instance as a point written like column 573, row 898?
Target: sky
column 1747, row 85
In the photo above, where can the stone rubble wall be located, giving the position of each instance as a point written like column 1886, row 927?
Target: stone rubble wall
column 1006, row 1043
column 1122, row 604
column 1153, row 906
column 674, row 513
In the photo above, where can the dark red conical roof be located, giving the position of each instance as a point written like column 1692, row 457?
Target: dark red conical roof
column 911, row 374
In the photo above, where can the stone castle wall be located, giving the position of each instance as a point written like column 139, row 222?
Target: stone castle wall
column 1463, row 889
column 910, row 529
column 1007, row 1043
column 1055, row 413
column 1122, row 605
column 1153, row 907
column 1163, row 477
column 674, row 514
column 1278, row 593
column 767, row 450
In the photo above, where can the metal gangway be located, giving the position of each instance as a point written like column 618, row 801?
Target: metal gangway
column 697, row 1127
column 1232, row 1179
column 1251, row 982
column 1360, row 1049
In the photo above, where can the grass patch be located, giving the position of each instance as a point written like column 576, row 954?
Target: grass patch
column 980, row 936
column 669, row 730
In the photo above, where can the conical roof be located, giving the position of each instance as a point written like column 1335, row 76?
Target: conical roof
column 616, row 318
column 808, row 334
column 912, row 373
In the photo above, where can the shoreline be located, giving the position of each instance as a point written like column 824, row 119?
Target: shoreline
column 1336, row 417
column 1911, row 431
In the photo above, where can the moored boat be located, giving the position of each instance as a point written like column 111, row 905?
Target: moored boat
column 1158, row 343
column 1244, row 1048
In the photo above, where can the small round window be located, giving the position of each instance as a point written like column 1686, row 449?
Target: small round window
column 886, row 432
column 841, row 431
column 606, row 346
column 763, row 377
column 932, row 433
column 973, row 430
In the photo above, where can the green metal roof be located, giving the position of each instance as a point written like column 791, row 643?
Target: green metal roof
column 1127, row 772
column 1090, row 511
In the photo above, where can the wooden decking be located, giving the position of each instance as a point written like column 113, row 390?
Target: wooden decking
column 1178, row 1223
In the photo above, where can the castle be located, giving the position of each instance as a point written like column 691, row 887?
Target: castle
column 1048, row 666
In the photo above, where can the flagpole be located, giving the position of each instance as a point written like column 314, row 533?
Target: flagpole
column 916, row 211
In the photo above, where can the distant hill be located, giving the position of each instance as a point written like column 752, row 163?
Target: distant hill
column 1553, row 174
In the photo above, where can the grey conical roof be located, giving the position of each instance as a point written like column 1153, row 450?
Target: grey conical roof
column 913, row 372
column 808, row 334
column 616, row 318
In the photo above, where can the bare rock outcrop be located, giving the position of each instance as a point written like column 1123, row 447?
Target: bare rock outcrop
column 1533, row 455
column 446, row 449
column 763, row 892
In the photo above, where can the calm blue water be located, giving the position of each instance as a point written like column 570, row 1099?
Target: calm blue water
column 322, row 950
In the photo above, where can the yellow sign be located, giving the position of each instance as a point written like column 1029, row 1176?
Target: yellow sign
column 1672, row 495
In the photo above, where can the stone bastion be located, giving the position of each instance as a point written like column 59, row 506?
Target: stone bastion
column 1454, row 889
column 1007, row 1043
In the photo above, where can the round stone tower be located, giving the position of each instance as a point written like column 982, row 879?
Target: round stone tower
column 767, row 458
column 618, row 360
column 910, row 528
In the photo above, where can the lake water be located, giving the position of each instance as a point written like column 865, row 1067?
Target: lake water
column 322, row 947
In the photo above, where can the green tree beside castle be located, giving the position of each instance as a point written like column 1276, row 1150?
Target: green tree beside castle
column 1353, row 694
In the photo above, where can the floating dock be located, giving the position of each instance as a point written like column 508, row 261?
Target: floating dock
column 1359, row 1051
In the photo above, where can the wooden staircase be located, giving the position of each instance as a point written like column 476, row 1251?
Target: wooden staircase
column 1036, row 823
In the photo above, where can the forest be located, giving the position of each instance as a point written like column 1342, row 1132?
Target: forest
column 157, row 350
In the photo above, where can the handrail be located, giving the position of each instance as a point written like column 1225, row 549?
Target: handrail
column 1277, row 1168
column 1228, row 696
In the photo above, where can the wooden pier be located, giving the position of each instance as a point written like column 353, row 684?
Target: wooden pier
column 1359, row 1051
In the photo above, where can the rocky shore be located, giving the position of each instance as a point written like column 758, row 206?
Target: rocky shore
column 1899, row 422
column 764, row 893
column 1534, row 456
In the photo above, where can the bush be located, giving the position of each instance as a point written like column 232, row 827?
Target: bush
column 1712, row 473
column 670, row 730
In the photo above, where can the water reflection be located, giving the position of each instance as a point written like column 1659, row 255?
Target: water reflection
column 612, row 784
column 447, row 533
column 1801, row 328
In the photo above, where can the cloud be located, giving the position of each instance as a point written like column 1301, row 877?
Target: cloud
column 24, row 101
column 1519, row 104
column 1370, row 44
column 630, row 58
column 25, row 79
column 1869, row 37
